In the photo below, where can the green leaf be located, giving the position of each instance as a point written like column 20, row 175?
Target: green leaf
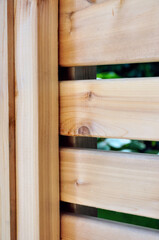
column 107, row 75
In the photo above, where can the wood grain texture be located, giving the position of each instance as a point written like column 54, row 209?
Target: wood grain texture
column 85, row 228
column 99, row 32
column 48, row 119
column 120, row 108
column 122, row 182
column 4, row 126
column 78, row 73
column 11, row 87
column 37, row 119
column 27, row 164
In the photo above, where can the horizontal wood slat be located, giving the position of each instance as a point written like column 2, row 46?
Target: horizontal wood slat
column 117, row 108
column 122, row 182
column 85, row 228
column 108, row 32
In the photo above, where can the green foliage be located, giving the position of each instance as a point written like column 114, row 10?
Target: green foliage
column 128, row 218
column 130, row 70
column 106, row 75
column 126, row 145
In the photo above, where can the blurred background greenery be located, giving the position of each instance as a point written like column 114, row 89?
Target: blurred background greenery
column 126, row 145
column 128, row 70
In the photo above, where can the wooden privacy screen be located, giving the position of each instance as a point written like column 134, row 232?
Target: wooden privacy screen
column 109, row 32
column 92, row 32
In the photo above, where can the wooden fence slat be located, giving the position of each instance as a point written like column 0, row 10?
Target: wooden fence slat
column 4, row 126
column 123, row 182
column 36, row 64
column 108, row 32
column 76, row 227
column 116, row 108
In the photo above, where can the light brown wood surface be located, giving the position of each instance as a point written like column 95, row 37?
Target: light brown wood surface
column 117, row 108
column 37, row 119
column 122, row 182
column 78, row 73
column 85, row 228
column 99, row 32
column 27, row 161
column 74, row 74
column 4, row 126
column 48, row 119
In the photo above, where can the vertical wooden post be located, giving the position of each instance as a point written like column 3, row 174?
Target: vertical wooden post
column 4, row 127
column 48, row 119
column 11, row 87
column 27, row 120
column 36, row 49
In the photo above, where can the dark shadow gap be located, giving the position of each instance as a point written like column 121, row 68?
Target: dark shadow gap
column 110, row 215
column 128, row 70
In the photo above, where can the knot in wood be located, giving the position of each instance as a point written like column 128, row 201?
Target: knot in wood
column 77, row 182
column 84, row 130
column 91, row 1
column 89, row 95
